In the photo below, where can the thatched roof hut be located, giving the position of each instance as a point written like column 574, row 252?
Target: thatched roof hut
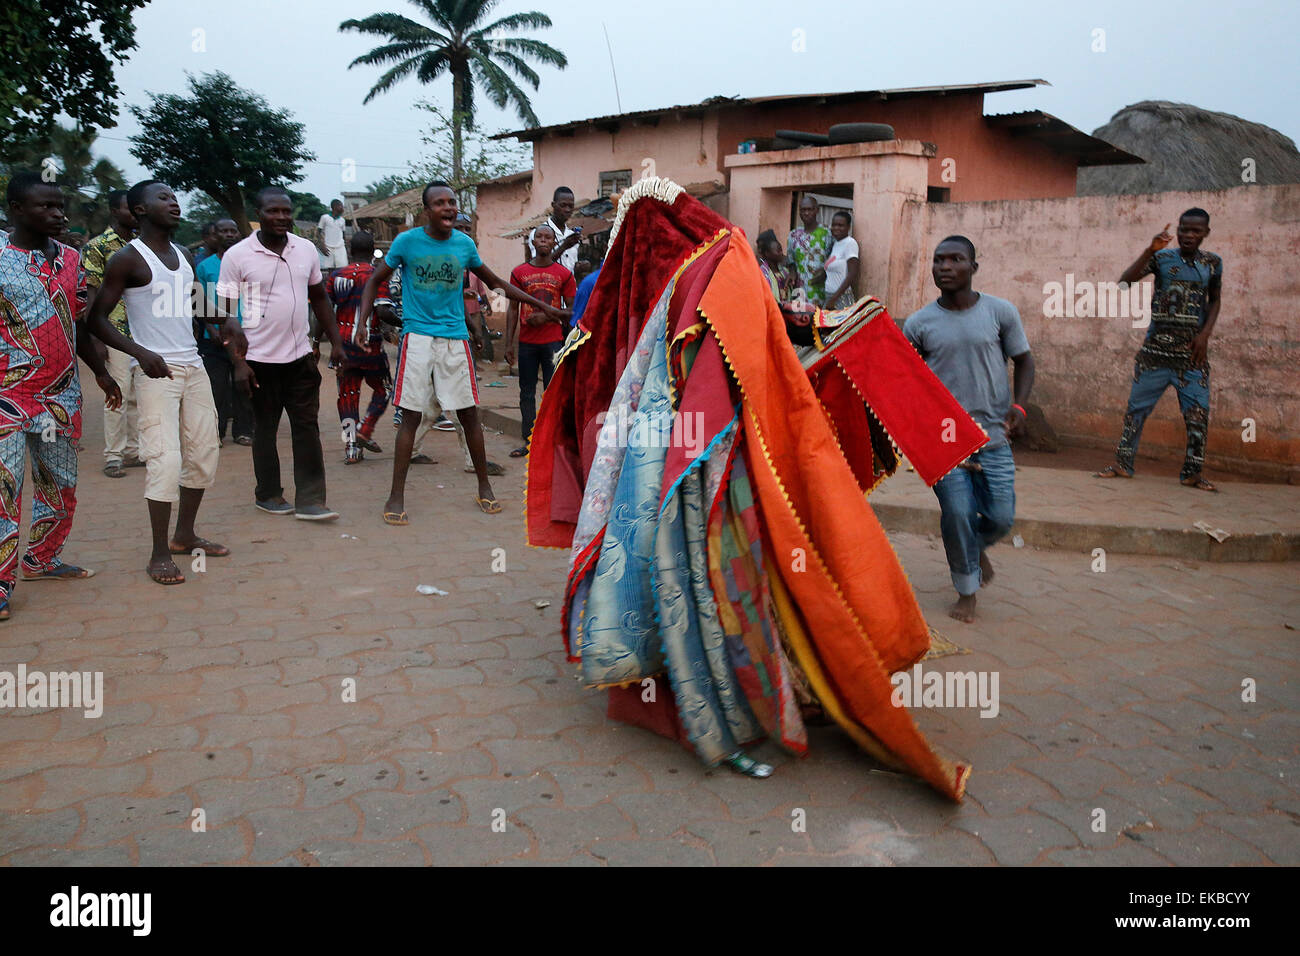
column 1188, row 148
column 385, row 218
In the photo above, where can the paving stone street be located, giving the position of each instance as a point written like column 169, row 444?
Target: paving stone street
column 471, row 742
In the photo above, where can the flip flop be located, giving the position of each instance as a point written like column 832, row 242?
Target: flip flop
column 422, row 460
column 161, row 577
column 396, row 518
column 1112, row 471
column 61, row 572
column 489, row 506
column 210, row 548
column 493, row 469
column 519, row 452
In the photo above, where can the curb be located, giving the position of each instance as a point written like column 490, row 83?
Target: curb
column 1120, row 539
column 501, row 422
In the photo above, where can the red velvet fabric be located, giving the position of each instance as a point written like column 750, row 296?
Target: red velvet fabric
column 654, row 239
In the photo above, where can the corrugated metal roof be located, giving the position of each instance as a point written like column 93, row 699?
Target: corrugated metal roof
column 719, row 102
column 1062, row 137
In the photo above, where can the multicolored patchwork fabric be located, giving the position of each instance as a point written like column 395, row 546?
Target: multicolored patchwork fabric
column 40, row 301
column 753, row 643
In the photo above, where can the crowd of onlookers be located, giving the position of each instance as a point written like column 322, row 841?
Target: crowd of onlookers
column 820, row 265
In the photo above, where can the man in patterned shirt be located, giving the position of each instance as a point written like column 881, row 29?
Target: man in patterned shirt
column 42, row 295
column 808, row 248
column 1184, row 308
column 364, row 359
column 121, row 429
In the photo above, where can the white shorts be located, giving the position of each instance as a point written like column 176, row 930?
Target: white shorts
column 178, row 431
column 429, row 366
column 336, row 257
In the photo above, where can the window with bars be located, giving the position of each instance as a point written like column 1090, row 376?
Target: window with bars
column 614, row 181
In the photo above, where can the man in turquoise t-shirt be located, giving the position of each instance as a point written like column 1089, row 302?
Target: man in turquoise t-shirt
column 435, row 357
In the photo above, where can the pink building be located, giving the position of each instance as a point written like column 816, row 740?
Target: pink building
column 1029, row 155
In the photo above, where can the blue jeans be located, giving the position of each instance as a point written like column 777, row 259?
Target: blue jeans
column 976, row 510
column 1193, row 388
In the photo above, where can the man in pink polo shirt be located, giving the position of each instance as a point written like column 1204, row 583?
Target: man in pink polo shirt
column 274, row 275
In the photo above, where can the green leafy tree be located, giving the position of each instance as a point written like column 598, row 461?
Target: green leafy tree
column 58, row 56
column 66, row 157
column 220, row 140
column 482, row 158
column 391, row 185
column 463, row 45
column 307, row 206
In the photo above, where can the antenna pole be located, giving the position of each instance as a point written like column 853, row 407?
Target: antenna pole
column 617, row 98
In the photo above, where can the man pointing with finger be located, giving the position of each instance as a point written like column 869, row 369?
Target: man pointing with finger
column 1184, row 308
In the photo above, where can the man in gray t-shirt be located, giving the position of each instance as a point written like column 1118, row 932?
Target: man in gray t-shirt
column 966, row 338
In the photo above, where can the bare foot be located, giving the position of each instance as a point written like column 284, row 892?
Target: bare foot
column 986, row 570
column 964, row 609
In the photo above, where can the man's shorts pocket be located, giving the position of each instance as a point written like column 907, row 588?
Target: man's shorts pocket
column 151, row 437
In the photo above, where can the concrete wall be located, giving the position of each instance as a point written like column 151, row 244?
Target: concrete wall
column 500, row 205
column 683, row 149
column 1085, row 365
column 885, row 177
column 989, row 163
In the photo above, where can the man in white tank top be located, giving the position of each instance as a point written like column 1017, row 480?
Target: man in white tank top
column 154, row 278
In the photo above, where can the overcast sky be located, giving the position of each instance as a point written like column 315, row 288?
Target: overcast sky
column 1237, row 57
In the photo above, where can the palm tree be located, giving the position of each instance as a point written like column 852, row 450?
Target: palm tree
column 462, row 45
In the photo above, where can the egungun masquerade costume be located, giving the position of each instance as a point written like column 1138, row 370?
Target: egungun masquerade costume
column 708, row 479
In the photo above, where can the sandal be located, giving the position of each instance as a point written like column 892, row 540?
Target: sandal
column 60, row 572
column 1112, row 471
column 742, row 763
column 489, row 506
column 519, row 452
column 158, row 573
column 493, row 469
column 353, row 454
column 210, row 548
column 115, row 470
column 1198, row 482
column 396, row 518
column 422, row 460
